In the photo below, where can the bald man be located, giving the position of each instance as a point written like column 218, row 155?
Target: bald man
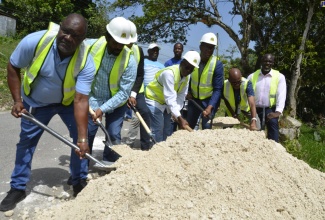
column 57, row 82
column 238, row 95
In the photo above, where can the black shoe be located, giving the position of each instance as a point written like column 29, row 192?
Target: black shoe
column 10, row 201
column 77, row 188
column 69, row 182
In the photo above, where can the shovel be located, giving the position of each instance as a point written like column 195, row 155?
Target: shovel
column 201, row 109
column 113, row 155
column 32, row 119
column 143, row 122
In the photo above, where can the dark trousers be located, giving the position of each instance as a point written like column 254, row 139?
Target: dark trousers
column 271, row 125
column 193, row 114
column 144, row 111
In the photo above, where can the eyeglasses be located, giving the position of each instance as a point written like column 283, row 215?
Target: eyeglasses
column 235, row 82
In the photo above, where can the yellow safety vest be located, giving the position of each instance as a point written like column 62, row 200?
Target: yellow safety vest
column 136, row 53
column 229, row 95
column 201, row 86
column 97, row 50
column 76, row 64
column 273, row 87
column 154, row 89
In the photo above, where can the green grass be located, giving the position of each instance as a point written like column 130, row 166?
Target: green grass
column 7, row 45
column 307, row 148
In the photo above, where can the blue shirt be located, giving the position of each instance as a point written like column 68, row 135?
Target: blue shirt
column 172, row 62
column 47, row 87
column 100, row 95
column 150, row 70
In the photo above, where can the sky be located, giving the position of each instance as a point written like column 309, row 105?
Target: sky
column 195, row 33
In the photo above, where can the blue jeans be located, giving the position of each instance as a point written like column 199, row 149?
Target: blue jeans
column 128, row 113
column 272, row 125
column 113, row 125
column 29, row 137
column 160, row 123
column 193, row 114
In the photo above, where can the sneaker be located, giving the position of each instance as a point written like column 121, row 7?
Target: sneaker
column 69, row 182
column 10, row 201
column 77, row 188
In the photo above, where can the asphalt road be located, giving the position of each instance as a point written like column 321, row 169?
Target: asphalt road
column 50, row 167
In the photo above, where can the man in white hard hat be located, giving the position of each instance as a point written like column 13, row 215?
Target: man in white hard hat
column 206, row 84
column 116, row 71
column 165, row 95
column 137, row 97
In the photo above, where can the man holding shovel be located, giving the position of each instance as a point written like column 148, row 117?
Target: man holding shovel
column 270, row 95
column 57, row 81
column 116, row 71
column 165, row 95
column 205, row 85
column 238, row 95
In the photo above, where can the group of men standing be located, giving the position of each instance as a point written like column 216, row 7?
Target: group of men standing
column 66, row 74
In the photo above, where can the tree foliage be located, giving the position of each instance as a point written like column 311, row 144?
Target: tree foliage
column 34, row 15
column 276, row 26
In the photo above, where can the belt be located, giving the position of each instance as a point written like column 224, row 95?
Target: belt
column 261, row 108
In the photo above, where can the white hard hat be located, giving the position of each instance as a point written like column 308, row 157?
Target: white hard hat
column 209, row 38
column 153, row 45
column 193, row 58
column 119, row 28
column 134, row 36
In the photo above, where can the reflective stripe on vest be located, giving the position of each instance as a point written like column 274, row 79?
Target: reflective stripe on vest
column 97, row 50
column 136, row 53
column 201, row 86
column 228, row 93
column 154, row 89
column 273, row 87
column 75, row 65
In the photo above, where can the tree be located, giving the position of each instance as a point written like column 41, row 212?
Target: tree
column 282, row 29
column 170, row 20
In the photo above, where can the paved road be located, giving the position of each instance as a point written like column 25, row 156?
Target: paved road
column 50, row 168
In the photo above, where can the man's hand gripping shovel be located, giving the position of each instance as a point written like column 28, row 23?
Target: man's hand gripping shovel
column 28, row 116
column 107, row 142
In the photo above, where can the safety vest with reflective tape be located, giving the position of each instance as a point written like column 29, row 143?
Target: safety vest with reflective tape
column 201, row 86
column 76, row 64
column 229, row 95
column 154, row 89
column 273, row 87
column 97, row 50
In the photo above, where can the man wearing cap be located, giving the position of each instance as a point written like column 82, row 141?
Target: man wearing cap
column 206, row 84
column 115, row 74
column 151, row 65
column 165, row 95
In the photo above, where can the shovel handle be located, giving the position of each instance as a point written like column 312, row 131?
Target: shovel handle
column 144, row 124
column 100, row 124
column 200, row 108
column 31, row 118
column 188, row 128
column 91, row 111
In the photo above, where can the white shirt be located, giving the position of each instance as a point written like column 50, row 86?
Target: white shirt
column 262, row 91
column 174, row 101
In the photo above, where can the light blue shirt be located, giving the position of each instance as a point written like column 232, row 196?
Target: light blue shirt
column 47, row 88
column 150, row 70
column 100, row 95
